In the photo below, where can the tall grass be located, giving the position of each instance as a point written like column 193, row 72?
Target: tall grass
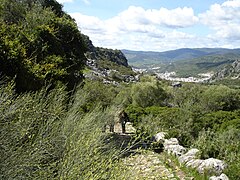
column 43, row 136
column 32, row 142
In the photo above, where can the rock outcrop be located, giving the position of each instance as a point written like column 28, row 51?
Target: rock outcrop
column 159, row 137
column 190, row 158
column 172, row 147
column 212, row 165
column 231, row 71
column 99, row 53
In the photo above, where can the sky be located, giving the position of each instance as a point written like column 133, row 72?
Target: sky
column 157, row 25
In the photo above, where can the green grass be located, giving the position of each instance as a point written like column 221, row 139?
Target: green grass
column 43, row 135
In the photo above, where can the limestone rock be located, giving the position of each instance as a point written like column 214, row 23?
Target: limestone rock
column 212, row 165
column 192, row 152
column 232, row 71
column 177, row 150
column 194, row 163
column 159, row 137
column 184, row 159
column 99, row 53
column 130, row 128
column 221, row 177
column 171, row 141
column 190, row 155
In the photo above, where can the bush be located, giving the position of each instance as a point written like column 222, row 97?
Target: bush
column 222, row 145
column 145, row 94
column 135, row 113
column 217, row 120
column 95, row 93
column 39, row 49
column 221, row 98
column 87, row 156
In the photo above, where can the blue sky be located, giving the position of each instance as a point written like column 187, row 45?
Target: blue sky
column 158, row 25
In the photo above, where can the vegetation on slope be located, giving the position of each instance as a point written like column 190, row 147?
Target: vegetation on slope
column 205, row 117
column 104, row 54
column 56, row 132
column 193, row 67
column 145, row 58
column 37, row 49
column 44, row 137
column 52, row 134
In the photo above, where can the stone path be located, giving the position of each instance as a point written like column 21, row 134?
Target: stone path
column 146, row 164
column 150, row 165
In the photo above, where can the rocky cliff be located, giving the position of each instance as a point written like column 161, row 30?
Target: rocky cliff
column 231, row 71
column 99, row 53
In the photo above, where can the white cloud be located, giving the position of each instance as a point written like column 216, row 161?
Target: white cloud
column 232, row 3
column 163, row 29
column 89, row 23
column 137, row 28
column 176, row 18
column 224, row 19
column 65, row 1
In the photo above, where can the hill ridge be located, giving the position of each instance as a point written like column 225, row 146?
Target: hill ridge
column 175, row 55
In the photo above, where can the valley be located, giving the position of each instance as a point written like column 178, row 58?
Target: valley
column 184, row 63
column 73, row 110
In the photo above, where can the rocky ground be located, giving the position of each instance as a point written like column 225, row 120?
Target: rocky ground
column 145, row 164
column 150, row 165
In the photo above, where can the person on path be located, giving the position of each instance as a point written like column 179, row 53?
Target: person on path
column 123, row 119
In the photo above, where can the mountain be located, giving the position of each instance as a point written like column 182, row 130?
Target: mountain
column 146, row 58
column 185, row 62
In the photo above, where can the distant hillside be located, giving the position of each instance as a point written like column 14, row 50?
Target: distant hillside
column 204, row 64
column 229, row 75
column 230, row 71
column 99, row 53
column 146, row 58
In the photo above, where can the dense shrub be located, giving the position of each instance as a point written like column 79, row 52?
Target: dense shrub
column 218, row 120
column 221, row 98
column 87, row 156
column 146, row 94
column 95, row 93
column 222, row 145
column 38, row 49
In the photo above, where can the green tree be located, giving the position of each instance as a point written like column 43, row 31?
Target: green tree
column 146, row 94
column 39, row 49
column 221, row 98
